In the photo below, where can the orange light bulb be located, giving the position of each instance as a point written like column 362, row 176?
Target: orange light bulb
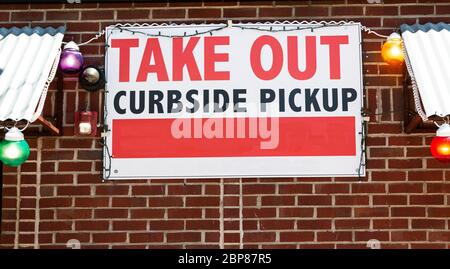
column 392, row 51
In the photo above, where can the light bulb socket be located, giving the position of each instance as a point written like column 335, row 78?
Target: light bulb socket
column 444, row 130
column 14, row 134
column 394, row 36
column 71, row 45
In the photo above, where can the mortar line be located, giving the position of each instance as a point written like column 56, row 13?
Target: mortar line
column 37, row 215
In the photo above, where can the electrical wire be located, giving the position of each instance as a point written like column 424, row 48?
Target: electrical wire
column 286, row 26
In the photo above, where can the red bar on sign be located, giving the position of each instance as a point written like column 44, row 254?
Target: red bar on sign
column 233, row 137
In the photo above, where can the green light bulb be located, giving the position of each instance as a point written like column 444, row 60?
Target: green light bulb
column 14, row 150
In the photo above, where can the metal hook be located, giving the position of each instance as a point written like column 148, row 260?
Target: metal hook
column 25, row 127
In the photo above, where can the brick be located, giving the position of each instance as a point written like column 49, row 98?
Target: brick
column 405, row 164
column 428, row 224
column 426, row 175
column 331, row 188
column 366, row 187
column 91, row 225
column 347, row 224
column 418, row 152
column 438, row 188
column 74, row 166
column 27, row 16
column 168, row 13
column 296, row 236
column 412, row 211
column 62, row 15
column 386, row 128
column 258, row 189
column 111, row 190
column 276, row 224
column 55, row 225
column 148, row 190
column 91, row 202
column 166, row 225
column 346, row 11
column 89, row 178
column 314, row 200
column 97, row 15
column 368, row 235
column 311, row 11
column 55, row 202
column 405, row 188
column 295, row 212
column 239, row 12
column 184, row 189
column 386, row 152
column 129, row 202
column 381, row 10
column 89, row 155
column 351, row 200
column 416, row 10
column 275, row 12
column 109, row 237
column 202, row 224
column 147, row 213
column 184, row 237
column 129, row 225
column 427, row 199
column 139, row 14
column 110, row 213
column 334, row 236
column 83, row 27
column 365, row 212
column 184, row 213
column 66, row 236
column 146, row 237
column 204, row 13
column 405, row 141
column 171, row 201
column 390, row 223
column 75, row 143
column 314, row 224
column 408, row 236
column 252, row 237
column 259, row 212
column 438, row 236
column 294, row 188
column 202, row 201
column 388, row 176
column 439, row 212
column 390, row 199
column 333, row 212
column 277, row 200
column 73, row 190
column 71, row 213
column 57, row 155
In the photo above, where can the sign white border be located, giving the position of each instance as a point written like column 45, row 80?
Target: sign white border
column 241, row 167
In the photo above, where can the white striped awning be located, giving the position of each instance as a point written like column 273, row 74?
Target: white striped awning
column 427, row 50
column 28, row 62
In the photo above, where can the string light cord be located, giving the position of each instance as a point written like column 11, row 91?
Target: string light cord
column 277, row 26
column 363, row 145
column 415, row 88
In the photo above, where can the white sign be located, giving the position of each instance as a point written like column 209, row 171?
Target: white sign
column 247, row 100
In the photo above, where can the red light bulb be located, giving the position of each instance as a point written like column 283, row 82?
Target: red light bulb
column 440, row 145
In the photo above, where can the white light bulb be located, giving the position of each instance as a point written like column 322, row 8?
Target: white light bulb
column 85, row 128
column 12, row 152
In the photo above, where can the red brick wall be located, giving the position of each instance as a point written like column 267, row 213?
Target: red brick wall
column 403, row 202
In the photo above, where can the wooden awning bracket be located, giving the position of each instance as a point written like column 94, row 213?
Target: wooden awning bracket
column 49, row 125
